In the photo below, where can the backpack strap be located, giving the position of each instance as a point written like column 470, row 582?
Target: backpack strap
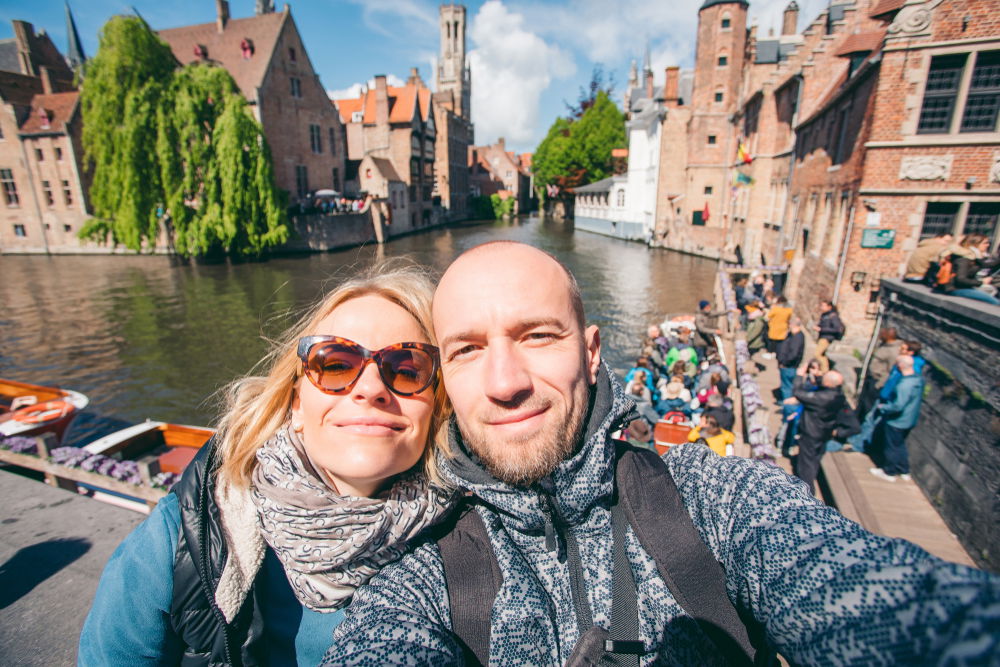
column 473, row 578
column 667, row 533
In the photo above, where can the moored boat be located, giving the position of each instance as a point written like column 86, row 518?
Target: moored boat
column 31, row 409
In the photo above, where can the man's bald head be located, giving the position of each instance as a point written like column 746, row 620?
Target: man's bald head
column 904, row 363
column 832, row 379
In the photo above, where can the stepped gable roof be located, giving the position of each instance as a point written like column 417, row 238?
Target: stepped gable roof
column 886, row 7
column 225, row 49
column 59, row 108
column 8, row 56
column 862, row 42
column 386, row 169
column 712, row 3
column 603, row 185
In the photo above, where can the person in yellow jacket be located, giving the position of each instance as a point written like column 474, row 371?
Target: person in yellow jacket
column 778, row 317
column 719, row 439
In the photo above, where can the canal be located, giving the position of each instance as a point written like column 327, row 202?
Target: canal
column 148, row 337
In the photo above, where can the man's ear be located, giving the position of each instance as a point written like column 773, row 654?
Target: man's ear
column 592, row 342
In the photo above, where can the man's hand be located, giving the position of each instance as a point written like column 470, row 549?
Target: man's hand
column 801, row 372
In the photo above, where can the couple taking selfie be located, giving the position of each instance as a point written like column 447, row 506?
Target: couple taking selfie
column 426, row 476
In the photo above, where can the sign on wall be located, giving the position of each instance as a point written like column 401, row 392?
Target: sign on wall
column 878, row 238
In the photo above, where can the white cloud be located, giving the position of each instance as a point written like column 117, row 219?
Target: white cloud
column 355, row 89
column 768, row 14
column 387, row 16
column 511, row 68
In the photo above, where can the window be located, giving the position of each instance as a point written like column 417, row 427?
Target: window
column 296, row 87
column 939, row 218
column 620, row 199
column 58, row 153
column 943, row 79
column 47, row 191
column 984, row 94
column 39, row 155
column 292, row 55
column 301, row 180
column 20, row 231
column 336, row 178
column 67, row 194
column 708, row 189
column 67, row 228
column 9, row 188
column 697, row 218
column 315, row 140
column 333, row 141
column 726, row 23
column 711, row 140
column 718, row 96
column 982, row 218
column 723, row 61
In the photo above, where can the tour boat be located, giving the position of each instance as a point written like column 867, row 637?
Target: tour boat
column 30, row 409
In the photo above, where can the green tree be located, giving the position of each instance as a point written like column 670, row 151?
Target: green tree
column 191, row 149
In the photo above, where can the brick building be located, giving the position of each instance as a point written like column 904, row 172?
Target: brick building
column 847, row 143
column 495, row 170
column 265, row 55
column 396, row 123
column 453, row 115
column 43, row 185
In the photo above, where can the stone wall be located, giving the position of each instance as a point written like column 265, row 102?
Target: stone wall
column 317, row 232
column 955, row 448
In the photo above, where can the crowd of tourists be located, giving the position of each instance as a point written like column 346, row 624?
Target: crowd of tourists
column 679, row 378
column 963, row 269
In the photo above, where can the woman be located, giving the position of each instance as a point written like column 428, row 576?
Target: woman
column 967, row 259
column 318, row 477
column 718, row 439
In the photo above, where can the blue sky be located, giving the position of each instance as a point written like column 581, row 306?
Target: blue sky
column 528, row 56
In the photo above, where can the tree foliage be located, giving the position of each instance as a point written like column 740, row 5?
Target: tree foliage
column 577, row 152
column 163, row 139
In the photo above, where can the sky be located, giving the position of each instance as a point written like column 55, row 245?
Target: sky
column 528, row 57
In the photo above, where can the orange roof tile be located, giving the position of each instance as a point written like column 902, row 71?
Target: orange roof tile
column 225, row 47
column 864, row 42
column 50, row 113
column 348, row 107
column 619, row 152
column 402, row 104
column 886, row 7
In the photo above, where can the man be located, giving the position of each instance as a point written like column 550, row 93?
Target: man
column 716, row 407
column 778, row 317
column 790, row 353
column 683, row 351
column 922, row 265
column 899, row 416
column 818, row 423
column 829, row 329
column 883, row 360
column 706, row 325
column 530, row 440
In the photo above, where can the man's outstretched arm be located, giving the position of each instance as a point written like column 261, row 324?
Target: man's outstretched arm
column 826, row 590
column 401, row 617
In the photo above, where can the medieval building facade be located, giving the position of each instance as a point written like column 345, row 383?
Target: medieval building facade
column 453, row 115
column 495, row 170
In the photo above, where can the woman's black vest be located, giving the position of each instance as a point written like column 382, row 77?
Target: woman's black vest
column 198, row 562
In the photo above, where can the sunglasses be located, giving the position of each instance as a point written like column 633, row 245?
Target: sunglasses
column 334, row 364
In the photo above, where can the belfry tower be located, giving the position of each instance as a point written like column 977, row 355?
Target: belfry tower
column 453, row 72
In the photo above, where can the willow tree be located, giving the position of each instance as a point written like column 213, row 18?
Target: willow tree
column 123, row 91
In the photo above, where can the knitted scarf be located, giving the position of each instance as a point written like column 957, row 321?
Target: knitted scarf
column 331, row 544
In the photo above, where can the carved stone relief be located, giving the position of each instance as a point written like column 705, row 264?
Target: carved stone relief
column 914, row 17
column 995, row 168
column 925, row 168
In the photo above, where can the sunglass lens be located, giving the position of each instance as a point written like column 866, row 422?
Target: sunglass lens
column 408, row 371
column 333, row 366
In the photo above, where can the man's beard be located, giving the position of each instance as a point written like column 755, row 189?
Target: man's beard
column 525, row 460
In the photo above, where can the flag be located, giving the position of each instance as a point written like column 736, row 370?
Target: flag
column 704, row 214
column 743, row 153
column 743, row 180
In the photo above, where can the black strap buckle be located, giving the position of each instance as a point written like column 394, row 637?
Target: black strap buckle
column 624, row 646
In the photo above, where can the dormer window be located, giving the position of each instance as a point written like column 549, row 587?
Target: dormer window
column 200, row 51
column 246, row 48
column 46, row 118
column 357, row 116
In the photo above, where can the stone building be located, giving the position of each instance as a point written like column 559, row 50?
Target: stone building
column 842, row 146
column 453, row 116
column 396, row 123
column 495, row 170
column 264, row 53
column 44, row 187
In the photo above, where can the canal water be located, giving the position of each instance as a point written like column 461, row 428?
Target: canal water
column 149, row 337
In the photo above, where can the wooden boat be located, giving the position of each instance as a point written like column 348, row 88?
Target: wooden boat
column 156, row 446
column 31, row 409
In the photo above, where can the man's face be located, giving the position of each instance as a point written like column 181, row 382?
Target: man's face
column 516, row 363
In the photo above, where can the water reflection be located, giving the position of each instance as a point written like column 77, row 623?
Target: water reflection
column 148, row 337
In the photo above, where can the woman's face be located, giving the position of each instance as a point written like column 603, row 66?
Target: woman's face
column 366, row 434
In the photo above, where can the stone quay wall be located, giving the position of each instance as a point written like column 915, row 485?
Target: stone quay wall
column 955, row 447
column 318, row 232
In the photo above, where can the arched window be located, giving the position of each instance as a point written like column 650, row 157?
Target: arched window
column 621, row 198
column 726, row 23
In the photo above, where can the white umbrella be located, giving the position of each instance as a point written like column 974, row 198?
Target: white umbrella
column 326, row 193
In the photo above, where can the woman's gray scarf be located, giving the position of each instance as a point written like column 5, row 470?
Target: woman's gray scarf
column 331, row 544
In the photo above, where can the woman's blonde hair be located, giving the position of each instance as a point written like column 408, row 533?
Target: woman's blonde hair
column 256, row 406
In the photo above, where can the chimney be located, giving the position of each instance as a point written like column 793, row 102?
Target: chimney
column 24, row 34
column 43, row 74
column 500, row 143
column 381, row 100
column 790, row 21
column 414, row 77
column 671, row 85
column 221, row 14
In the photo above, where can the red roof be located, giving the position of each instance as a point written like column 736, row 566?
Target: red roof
column 619, row 152
column 886, row 7
column 50, row 113
column 225, row 48
column 863, row 42
column 526, row 160
column 401, row 104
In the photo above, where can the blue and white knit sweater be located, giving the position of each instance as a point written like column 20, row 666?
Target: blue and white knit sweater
column 827, row 591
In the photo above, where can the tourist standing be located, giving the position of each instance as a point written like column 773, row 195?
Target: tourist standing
column 778, row 317
column 900, row 415
column 829, row 329
column 790, row 353
column 818, row 422
column 756, row 331
column 879, row 368
column 706, row 326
